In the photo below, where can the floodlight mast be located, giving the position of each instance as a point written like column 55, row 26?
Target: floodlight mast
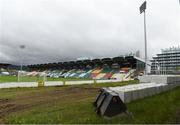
column 22, row 47
column 21, row 68
column 143, row 10
column 145, row 43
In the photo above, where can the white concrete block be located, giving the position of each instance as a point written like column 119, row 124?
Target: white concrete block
column 106, row 81
column 135, row 94
column 159, row 89
column 142, row 93
column 148, row 92
column 171, row 86
column 126, row 97
column 18, row 84
column 153, row 90
column 79, row 82
column 166, row 88
column 169, row 79
column 53, row 83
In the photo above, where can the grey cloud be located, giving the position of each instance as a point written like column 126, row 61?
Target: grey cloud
column 62, row 30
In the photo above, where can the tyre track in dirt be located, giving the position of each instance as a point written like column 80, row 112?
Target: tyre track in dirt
column 26, row 101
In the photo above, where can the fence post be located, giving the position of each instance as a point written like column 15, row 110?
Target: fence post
column 64, row 82
column 95, row 81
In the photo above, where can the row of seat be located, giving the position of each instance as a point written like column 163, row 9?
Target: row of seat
column 97, row 73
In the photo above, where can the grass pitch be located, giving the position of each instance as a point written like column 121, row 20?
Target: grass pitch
column 74, row 104
column 35, row 79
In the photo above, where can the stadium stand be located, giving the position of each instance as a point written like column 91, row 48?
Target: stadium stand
column 120, row 68
column 123, row 67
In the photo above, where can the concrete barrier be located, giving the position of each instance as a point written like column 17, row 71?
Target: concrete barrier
column 79, row 82
column 18, row 84
column 53, row 83
column 167, row 79
column 106, row 81
column 133, row 92
column 126, row 96
column 89, row 82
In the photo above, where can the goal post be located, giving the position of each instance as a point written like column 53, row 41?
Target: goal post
column 24, row 76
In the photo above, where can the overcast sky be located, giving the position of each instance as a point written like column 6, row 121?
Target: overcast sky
column 62, row 30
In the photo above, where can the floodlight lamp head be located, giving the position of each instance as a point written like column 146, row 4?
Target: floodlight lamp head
column 22, row 46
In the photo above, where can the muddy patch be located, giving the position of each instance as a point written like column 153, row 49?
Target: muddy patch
column 5, row 109
column 4, row 100
column 26, row 101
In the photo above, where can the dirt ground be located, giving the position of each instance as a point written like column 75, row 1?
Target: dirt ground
column 28, row 100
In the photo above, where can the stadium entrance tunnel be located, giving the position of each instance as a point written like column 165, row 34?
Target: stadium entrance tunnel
column 109, row 104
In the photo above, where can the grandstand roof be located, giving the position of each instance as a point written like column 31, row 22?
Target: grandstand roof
column 122, row 61
column 140, row 59
column 4, row 65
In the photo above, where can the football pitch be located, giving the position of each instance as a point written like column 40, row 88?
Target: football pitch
column 35, row 79
column 74, row 104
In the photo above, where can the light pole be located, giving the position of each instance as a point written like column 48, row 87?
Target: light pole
column 143, row 10
column 21, row 68
column 22, row 47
